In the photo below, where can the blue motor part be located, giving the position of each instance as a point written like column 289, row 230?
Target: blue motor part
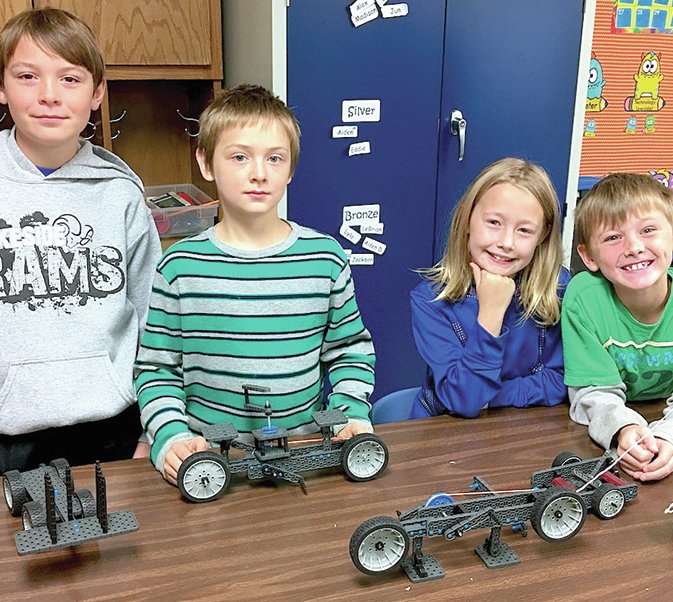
column 438, row 499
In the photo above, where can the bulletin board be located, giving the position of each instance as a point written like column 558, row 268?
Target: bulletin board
column 628, row 125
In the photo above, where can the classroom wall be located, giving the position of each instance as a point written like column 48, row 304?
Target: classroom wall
column 255, row 43
column 247, row 25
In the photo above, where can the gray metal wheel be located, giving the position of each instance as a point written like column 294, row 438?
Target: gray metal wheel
column 203, row 477
column 61, row 465
column 378, row 545
column 33, row 515
column 607, row 501
column 364, row 457
column 84, row 503
column 15, row 491
column 558, row 514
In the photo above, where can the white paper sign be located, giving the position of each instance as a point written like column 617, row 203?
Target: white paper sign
column 345, row 131
column 381, row 2
column 359, row 148
column 360, row 110
column 359, row 5
column 374, row 245
column 368, row 14
column 349, row 234
column 358, row 215
column 361, row 259
column 395, row 10
column 372, row 229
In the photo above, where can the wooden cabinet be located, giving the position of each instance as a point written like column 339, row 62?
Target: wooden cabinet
column 164, row 60
column 154, row 39
column 8, row 8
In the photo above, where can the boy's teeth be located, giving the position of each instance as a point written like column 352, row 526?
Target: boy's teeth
column 636, row 266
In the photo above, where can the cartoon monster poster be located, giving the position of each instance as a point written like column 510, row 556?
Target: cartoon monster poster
column 628, row 122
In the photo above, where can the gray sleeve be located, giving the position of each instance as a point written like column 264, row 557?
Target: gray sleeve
column 663, row 429
column 603, row 409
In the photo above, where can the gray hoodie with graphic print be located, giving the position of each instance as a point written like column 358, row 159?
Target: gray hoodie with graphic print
column 78, row 251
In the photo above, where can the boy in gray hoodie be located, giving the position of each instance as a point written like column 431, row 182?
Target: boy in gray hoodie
column 78, row 251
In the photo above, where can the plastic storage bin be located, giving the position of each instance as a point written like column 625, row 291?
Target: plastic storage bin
column 185, row 220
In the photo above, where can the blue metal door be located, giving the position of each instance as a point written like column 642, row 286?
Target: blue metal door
column 510, row 67
column 397, row 61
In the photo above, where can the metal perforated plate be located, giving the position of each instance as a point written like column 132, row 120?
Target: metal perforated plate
column 74, row 532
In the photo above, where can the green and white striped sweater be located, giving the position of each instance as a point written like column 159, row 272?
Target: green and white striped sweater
column 279, row 317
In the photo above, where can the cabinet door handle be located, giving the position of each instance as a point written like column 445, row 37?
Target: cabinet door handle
column 458, row 128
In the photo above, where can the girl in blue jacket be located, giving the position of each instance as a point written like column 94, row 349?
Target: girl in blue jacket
column 486, row 318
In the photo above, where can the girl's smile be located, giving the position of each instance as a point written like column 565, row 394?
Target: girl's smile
column 506, row 226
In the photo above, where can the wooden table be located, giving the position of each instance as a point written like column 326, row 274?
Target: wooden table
column 269, row 541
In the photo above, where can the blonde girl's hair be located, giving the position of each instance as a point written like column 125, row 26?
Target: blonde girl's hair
column 538, row 281
column 615, row 198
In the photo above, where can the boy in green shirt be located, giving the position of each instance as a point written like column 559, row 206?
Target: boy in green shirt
column 254, row 300
column 617, row 320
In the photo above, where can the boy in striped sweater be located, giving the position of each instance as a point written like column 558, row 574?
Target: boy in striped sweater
column 253, row 300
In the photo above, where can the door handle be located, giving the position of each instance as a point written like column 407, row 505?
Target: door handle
column 458, row 128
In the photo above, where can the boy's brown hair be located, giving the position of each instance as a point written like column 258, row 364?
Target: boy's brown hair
column 56, row 31
column 243, row 105
column 615, row 198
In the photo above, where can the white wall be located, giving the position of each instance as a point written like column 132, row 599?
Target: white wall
column 578, row 128
column 255, row 48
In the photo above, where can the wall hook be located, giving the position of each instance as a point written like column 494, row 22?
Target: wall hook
column 92, row 125
column 191, row 119
column 115, row 120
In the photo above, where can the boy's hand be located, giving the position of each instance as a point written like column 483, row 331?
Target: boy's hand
column 640, row 454
column 178, row 453
column 350, row 430
column 494, row 294
column 142, row 450
column 661, row 466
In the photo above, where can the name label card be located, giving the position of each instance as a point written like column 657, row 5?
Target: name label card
column 360, row 110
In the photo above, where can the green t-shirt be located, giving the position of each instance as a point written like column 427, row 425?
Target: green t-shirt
column 603, row 344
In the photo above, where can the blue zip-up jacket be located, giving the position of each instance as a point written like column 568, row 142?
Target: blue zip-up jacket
column 469, row 368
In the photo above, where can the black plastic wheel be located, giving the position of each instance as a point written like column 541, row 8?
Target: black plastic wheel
column 607, row 502
column 33, row 515
column 364, row 457
column 84, row 504
column 203, row 477
column 564, row 458
column 378, row 545
column 558, row 514
column 61, row 465
column 16, row 494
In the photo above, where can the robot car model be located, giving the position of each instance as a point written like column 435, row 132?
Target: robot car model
column 206, row 475
column 556, row 506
